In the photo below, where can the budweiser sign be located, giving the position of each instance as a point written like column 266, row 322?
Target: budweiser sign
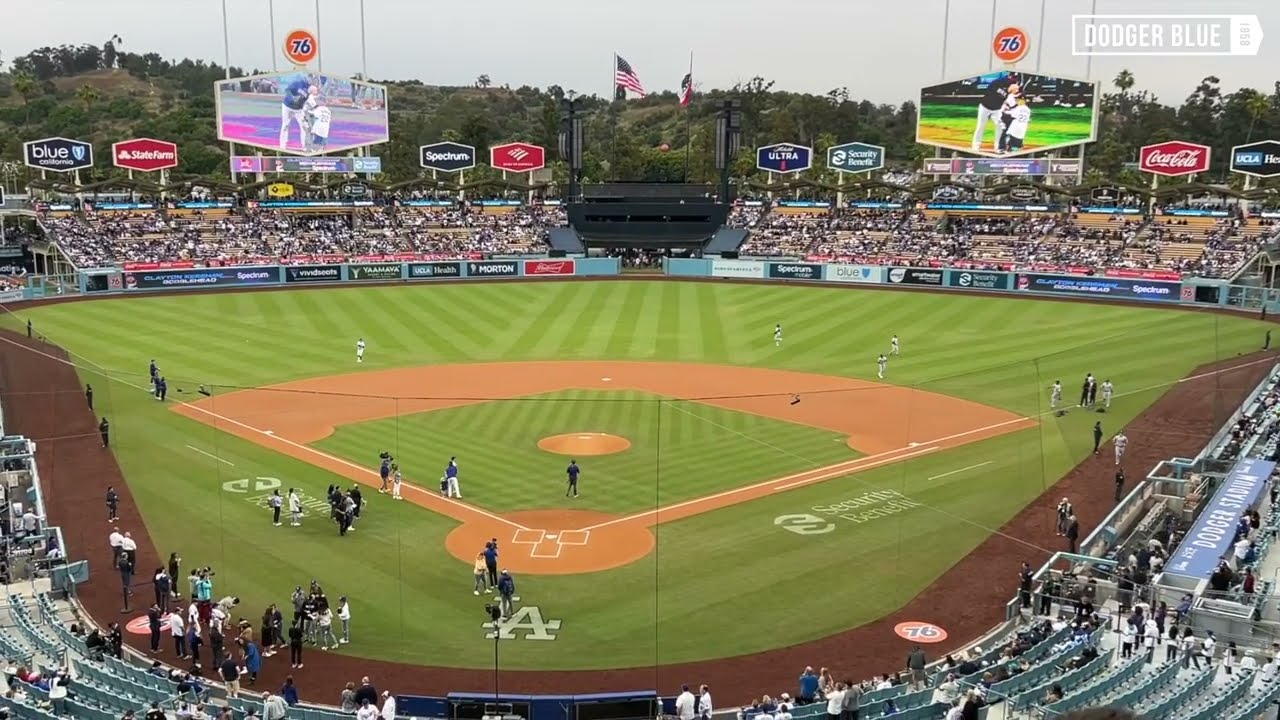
column 144, row 154
column 1174, row 158
column 548, row 267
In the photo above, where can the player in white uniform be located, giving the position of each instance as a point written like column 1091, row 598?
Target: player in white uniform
column 1055, row 395
column 295, row 508
column 1121, row 443
column 777, row 336
column 360, row 350
column 396, row 479
column 893, row 346
column 881, row 363
column 1016, row 133
column 1107, row 391
column 318, row 119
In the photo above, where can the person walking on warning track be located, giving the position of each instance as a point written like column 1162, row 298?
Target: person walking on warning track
column 1121, row 442
column 572, row 471
column 1073, row 533
column 1097, row 436
column 88, row 396
column 1119, row 483
column 104, row 429
column 113, row 504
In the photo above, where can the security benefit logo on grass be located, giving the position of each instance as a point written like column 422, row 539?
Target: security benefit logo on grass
column 526, row 623
column 857, row 510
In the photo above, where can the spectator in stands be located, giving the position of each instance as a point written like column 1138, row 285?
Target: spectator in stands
column 273, row 707
column 289, row 691
column 155, row 713
column 1229, row 657
column 1188, row 646
column 916, row 664
column 835, row 701
column 1248, row 663
column 347, row 701
column 230, row 673
column 366, row 692
column 1247, row 585
column 808, row 687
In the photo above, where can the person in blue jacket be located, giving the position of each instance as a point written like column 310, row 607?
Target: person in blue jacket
column 507, row 591
column 292, row 109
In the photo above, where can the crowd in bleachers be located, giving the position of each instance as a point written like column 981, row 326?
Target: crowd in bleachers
column 1203, row 246
column 99, row 239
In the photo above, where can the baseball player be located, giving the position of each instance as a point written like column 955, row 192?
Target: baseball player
column 1093, row 391
column 990, row 106
column 1107, row 391
column 1055, row 395
column 360, row 350
column 572, row 472
column 777, row 336
column 451, row 477
column 1084, row 390
column 881, row 363
column 295, row 508
column 292, row 108
column 894, row 349
column 1019, row 120
column 396, row 479
column 1121, row 442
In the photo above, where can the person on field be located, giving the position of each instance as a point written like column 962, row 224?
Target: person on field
column 490, row 553
column 104, row 429
column 113, row 504
column 507, row 591
column 481, row 572
column 572, row 471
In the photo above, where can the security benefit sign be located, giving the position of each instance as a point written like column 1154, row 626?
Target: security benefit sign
column 784, row 158
column 855, row 157
column 794, row 271
column 979, row 280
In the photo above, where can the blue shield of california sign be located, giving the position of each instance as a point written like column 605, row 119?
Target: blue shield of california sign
column 58, row 154
column 855, row 157
column 784, row 158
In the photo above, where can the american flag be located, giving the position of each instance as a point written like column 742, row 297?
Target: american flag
column 625, row 77
column 686, row 90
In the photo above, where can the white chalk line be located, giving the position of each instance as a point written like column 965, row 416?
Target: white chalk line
column 963, row 469
column 211, row 455
column 277, row 438
column 838, row 471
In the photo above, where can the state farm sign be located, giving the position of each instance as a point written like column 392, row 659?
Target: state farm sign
column 144, row 154
column 1173, row 158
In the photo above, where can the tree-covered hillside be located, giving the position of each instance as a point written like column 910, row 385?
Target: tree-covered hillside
column 105, row 94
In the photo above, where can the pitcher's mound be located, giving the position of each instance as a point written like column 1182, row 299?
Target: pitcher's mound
column 584, row 444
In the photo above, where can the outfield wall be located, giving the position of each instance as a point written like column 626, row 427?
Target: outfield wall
column 1197, row 292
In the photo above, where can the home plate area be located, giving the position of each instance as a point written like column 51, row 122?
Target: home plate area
column 548, row 545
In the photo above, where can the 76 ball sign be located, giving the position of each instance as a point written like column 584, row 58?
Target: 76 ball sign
column 1010, row 45
column 301, row 46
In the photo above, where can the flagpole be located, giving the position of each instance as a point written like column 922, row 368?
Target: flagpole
column 688, row 121
column 613, row 116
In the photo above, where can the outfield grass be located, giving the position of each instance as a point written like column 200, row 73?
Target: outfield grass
column 721, row 573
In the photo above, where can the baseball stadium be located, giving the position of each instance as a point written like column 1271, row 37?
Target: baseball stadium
column 527, row 422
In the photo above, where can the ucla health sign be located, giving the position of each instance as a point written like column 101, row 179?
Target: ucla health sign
column 1211, row 536
column 1260, row 159
column 1095, row 286
column 784, row 158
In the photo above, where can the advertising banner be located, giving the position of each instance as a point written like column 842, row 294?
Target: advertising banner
column 855, row 157
column 493, row 268
column 1174, row 158
column 517, row 157
column 795, row 271
column 374, row 271
column 447, row 156
column 737, row 268
column 58, row 154
column 1001, row 166
column 1260, row 159
column 1211, row 536
column 207, row 277
column 341, row 114
column 548, row 267
column 980, row 280
column 312, row 273
column 419, row 271
column 1109, row 287
column 784, row 158
column 854, row 273
column 144, row 154
column 257, row 164
column 1046, row 113
column 915, row 276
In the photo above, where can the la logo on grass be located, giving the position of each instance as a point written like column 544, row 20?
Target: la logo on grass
column 526, row 623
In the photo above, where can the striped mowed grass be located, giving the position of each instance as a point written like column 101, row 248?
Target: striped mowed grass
column 412, row 599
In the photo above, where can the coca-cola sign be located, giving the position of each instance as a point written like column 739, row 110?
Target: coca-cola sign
column 1174, row 158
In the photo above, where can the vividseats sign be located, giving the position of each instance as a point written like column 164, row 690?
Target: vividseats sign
column 312, row 273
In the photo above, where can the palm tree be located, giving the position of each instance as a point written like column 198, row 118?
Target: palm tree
column 88, row 95
column 1123, row 81
column 1257, row 105
column 27, row 87
column 483, row 81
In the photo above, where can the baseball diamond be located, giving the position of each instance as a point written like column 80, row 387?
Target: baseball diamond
column 723, row 475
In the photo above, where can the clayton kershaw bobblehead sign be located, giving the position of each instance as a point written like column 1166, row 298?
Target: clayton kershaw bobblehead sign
column 58, row 154
column 784, row 158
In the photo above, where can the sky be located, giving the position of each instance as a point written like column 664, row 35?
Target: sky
column 881, row 51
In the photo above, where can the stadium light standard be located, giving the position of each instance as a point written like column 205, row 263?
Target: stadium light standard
column 571, row 141
column 494, row 611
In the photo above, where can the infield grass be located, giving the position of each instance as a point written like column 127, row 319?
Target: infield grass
column 716, row 578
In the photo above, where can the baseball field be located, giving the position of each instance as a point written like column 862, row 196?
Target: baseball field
column 946, row 123
column 737, row 496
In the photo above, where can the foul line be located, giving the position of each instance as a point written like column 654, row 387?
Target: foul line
column 299, row 446
column 835, row 471
column 215, row 457
column 963, row 469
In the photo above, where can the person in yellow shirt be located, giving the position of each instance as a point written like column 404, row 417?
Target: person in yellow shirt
column 480, row 572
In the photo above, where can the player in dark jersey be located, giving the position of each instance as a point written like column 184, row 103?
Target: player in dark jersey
column 991, row 104
column 292, row 109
